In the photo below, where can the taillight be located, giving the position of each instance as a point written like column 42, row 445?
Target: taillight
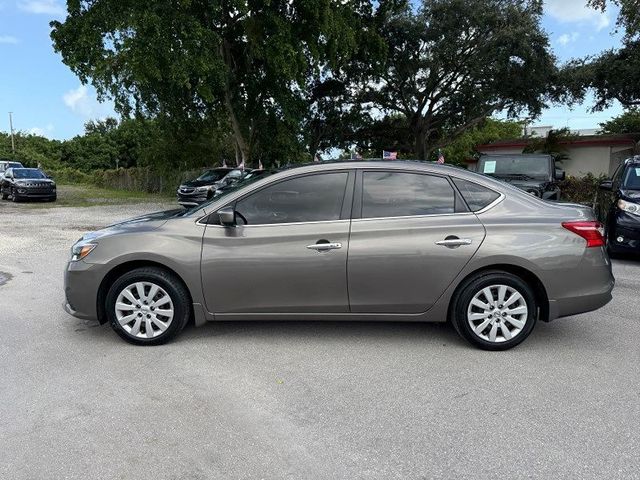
column 590, row 231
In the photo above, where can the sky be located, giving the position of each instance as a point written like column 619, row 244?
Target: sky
column 46, row 98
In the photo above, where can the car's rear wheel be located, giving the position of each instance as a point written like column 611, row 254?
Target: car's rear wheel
column 148, row 306
column 495, row 310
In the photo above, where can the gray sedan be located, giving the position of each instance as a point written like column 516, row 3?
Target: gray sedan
column 392, row 241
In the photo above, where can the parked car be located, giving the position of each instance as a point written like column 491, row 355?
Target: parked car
column 237, row 181
column 394, row 241
column 619, row 207
column 6, row 164
column 535, row 174
column 194, row 192
column 27, row 184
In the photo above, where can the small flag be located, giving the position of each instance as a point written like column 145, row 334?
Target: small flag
column 440, row 157
column 241, row 166
column 316, row 158
column 224, row 164
column 389, row 155
column 260, row 167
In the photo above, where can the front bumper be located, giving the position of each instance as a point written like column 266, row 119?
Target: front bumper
column 81, row 284
column 624, row 233
column 194, row 199
column 27, row 194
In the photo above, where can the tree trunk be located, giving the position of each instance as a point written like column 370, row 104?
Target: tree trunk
column 240, row 139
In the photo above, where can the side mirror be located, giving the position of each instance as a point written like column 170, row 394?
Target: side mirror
column 227, row 216
column 560, row 174
column 606, row 185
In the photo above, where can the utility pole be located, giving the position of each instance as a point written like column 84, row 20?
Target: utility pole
column 13, row 143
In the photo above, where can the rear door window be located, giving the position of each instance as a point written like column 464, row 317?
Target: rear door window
column 400, row 194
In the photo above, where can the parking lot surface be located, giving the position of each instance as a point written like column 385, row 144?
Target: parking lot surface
column 301, row 400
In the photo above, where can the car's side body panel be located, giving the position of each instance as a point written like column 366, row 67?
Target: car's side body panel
column 521, row 231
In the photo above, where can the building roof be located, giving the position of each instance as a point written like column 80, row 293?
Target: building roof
column 578, row 141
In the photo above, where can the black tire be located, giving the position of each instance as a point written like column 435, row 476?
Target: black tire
column 172, row 286
column 3, row 195
column 14, row 196
column 465, row 294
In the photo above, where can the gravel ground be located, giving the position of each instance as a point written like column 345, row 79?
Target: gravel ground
column 301, row 400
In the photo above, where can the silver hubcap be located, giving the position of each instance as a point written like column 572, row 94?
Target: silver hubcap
column 144, row 310
column 497, row 313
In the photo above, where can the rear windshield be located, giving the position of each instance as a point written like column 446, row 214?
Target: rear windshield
column 476, row 196
column 631, row 179
column 28, row 173
column 514, row 165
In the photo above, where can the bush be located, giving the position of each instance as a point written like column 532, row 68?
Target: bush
column 581, row 189
column 137, row 179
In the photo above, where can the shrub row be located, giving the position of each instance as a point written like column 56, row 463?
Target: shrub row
column 139, row 179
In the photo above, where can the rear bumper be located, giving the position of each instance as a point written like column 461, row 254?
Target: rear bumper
column 586, row 288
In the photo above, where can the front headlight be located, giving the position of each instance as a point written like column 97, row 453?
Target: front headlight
column 202, row 189
column 629, row 207
column 80, row 250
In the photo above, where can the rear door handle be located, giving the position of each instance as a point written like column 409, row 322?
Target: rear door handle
column 454, row 242
column 323, row 247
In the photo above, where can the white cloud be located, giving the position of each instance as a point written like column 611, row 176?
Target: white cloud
column 45, row 7
column 576, row 11
column 81, row 102
column 567, row 38
column 8, row 39
column 42, row 132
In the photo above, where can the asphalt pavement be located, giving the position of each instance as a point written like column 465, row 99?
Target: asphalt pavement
column 301, row 400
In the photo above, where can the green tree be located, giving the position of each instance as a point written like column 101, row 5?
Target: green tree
column 555, row 144
column 446, row 71
column 627, row 122
column 490, row 130
column 245, row 63
column 614, row 74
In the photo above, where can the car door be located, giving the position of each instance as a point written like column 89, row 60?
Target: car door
column 288, row 252
column 410, row 237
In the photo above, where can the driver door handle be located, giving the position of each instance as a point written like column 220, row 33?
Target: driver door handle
column 323, row 247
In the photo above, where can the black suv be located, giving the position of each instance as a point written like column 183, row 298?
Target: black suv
column 619, row 207
column 27, row 184
column 534, row 173
column 202, row 188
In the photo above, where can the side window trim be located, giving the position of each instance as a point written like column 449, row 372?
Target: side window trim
column 347, row 198
column 359, row 192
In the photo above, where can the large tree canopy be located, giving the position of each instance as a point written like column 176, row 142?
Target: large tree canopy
column 614, row 74
column 452, row 63
column 247, row 63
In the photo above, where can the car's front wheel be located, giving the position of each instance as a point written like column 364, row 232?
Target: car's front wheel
column 494, row 310
column 148, row 306
column 3, row 194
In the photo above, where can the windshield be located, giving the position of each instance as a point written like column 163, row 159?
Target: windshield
column 514, row 165
column 28, row 173
column 213, row 175
column 222, row 193
column 631, row 179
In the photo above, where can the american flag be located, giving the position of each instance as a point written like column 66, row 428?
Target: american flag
column 389, row 155
column 260, row 165
column 440, row 156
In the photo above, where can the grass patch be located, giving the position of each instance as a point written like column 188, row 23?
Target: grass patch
column 88, row 195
